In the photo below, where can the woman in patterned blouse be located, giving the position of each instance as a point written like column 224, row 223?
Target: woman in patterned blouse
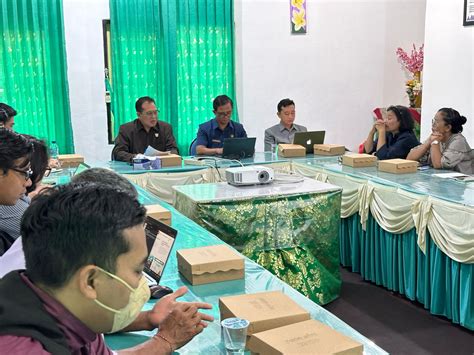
column 446, row 147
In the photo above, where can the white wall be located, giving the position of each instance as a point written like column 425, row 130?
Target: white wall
column 449, row 62
column 85, row 63
column 337, row 73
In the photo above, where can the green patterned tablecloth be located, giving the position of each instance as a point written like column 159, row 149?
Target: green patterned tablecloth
column 295, row 237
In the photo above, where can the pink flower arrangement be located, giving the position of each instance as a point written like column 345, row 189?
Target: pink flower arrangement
column 414, row 62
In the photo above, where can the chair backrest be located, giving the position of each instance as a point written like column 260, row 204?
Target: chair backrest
column 192, row 147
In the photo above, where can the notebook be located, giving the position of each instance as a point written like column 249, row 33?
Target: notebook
column 160, row 239
column 308, row 139
column 238, row 148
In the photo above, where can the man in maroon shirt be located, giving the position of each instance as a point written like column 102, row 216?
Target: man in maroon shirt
column 85, row 251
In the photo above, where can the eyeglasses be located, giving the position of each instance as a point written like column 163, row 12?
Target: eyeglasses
column 152, row 113
column 26, row 173
column 223, row 114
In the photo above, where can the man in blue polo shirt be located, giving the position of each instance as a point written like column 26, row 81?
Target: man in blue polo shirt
column 211, row 134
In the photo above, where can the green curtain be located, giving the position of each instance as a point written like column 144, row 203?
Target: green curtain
column 178, row 52
column 136, row 58
column 33, row 76
column 205, row 63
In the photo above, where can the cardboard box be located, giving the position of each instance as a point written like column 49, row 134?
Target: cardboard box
column 170, row 160
column 159, row 213
column 70, row 160
column 291, row 150
column 264, row 310
column 359, row 160
column 329, row 149
column 210, row 264
column 308, row 337
column 398, row 166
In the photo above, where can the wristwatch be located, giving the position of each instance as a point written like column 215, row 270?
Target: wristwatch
column 435, row 142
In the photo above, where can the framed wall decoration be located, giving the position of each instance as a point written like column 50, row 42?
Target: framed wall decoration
column 298, row 16
column 468, row 19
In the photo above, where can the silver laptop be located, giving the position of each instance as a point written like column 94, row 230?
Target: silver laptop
column 308, row 139
column 160, row 239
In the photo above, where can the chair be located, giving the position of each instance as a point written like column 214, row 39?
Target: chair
column 192, row 147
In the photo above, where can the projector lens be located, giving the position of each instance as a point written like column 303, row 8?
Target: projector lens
column 263, row 176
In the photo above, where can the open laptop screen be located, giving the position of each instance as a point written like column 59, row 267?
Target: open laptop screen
column 308, row 139
column 238, row 148
column 159, row 241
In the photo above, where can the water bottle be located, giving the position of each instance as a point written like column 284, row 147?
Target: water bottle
column 54, row 150
column 274, row 150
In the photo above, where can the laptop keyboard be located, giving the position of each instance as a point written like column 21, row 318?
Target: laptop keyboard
column 150, row 280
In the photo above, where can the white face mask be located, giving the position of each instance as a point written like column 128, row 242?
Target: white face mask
column 138, row 297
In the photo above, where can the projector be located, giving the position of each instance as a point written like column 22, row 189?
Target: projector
column 249, row 175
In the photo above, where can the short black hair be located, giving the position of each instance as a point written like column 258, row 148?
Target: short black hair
column 141, row 101
column 105, row 177
column 69, row 226
column 221, row 100
column 13, row 146
column 453, row 118
column 404, row 117
column 284, row 103
column 6, row 112
column 39, row 160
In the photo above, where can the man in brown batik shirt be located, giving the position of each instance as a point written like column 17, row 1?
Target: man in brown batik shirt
column 134, row 137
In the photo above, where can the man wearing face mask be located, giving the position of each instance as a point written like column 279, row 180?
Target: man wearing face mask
column 85, row 250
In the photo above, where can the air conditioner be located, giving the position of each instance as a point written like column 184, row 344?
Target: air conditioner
column 249, row 175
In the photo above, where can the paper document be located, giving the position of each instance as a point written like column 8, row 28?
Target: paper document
column 457, row 176
column 143, row 156
column 152, row 152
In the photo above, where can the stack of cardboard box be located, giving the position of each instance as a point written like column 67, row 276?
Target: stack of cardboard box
column 279, row 326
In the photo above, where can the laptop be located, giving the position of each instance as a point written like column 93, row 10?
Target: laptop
column 80, row 168
column 238, row 148
column 160, row 239
column 308, row 139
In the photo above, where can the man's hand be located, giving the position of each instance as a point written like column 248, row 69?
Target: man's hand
column 179, row 322
column 219, row 151
column 165, row 306
column 184, row 322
